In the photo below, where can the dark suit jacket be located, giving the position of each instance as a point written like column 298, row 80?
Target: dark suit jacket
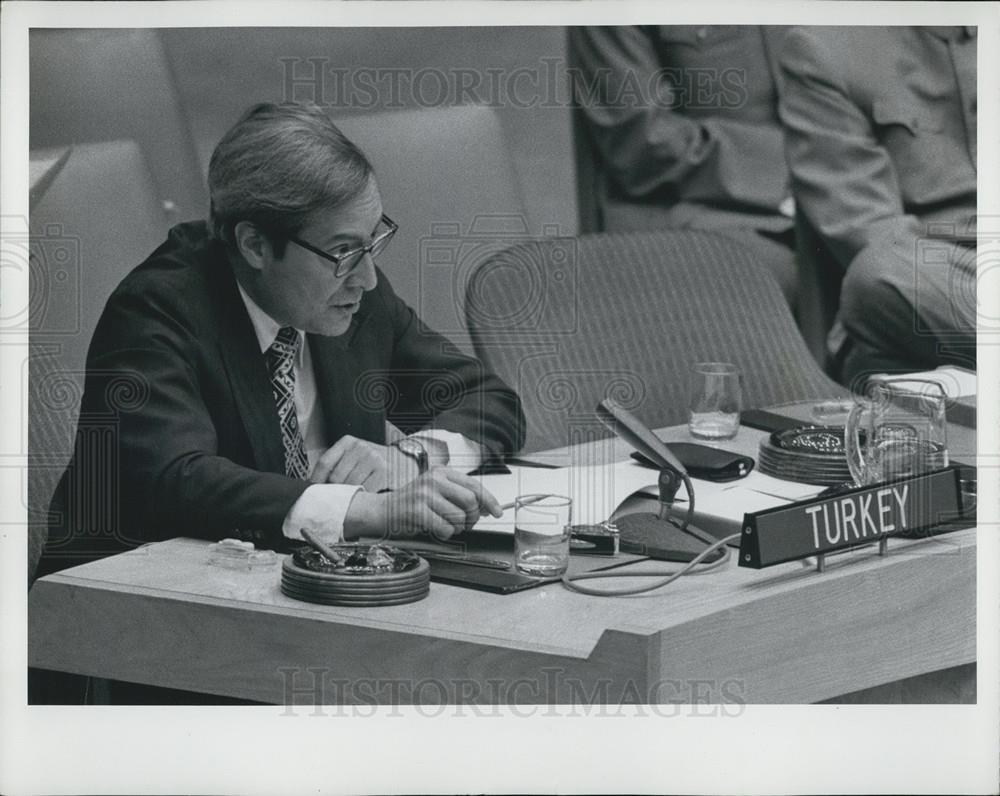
column 683, row 120
column 178, row 432
column 881, row 133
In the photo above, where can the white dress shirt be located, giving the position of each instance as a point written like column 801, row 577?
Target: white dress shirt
column 322, row 507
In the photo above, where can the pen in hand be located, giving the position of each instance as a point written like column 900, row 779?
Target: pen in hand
column 524, row 502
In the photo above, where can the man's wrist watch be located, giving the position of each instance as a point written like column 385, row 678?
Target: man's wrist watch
column 415, row 451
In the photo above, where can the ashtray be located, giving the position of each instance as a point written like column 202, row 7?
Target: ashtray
column 813, row 440
column 809, row 454
column 363, row 575
column 357, row 559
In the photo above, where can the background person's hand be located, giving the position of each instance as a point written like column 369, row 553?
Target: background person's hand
column 363, row 463
column 442, row 502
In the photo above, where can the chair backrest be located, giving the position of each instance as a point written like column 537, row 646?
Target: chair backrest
column 568, row 321
column 100, row 217
column 106, row 84
column 446, row 176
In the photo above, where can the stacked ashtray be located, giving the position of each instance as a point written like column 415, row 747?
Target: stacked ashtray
column 362, row 575
column 809, row 455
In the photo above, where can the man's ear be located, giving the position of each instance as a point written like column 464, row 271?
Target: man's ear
column 253, row 245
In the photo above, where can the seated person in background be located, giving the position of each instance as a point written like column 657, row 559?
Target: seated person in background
column 685, row 126
column 241, row 381
column 881, row 136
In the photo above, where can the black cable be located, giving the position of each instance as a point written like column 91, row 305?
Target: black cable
column 570, row 581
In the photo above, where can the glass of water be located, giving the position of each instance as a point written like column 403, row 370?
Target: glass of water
column 541, row 534
column 714, row 402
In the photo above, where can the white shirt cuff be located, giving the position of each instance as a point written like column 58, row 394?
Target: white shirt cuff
column 320, row 510
column 458, row 452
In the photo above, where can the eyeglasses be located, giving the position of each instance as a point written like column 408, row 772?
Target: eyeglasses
column 346, row 261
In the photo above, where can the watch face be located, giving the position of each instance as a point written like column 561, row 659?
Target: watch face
column 410, row 448
column 416, row 450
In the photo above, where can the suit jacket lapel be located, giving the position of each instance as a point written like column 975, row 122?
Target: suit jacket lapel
column 350, row 388
column 248, row 377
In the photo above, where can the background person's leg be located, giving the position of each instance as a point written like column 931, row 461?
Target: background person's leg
column 902, row 314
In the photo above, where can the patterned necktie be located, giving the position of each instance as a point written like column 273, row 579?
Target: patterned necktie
column 280, row 357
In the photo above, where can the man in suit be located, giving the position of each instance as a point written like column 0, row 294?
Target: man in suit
column 684, row 124
column 244, row 380
column 881, row 134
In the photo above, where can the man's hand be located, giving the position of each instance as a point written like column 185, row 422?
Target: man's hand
column 441, row 502
column 368, row 464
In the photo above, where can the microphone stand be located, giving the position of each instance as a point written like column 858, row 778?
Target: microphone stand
column 670, row 483
column 658, row 535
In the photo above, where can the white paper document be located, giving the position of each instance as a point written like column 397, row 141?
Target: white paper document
column 719, row 507
column 597, row 491
column 956, row 382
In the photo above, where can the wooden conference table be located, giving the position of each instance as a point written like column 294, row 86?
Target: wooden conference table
column 787, row 634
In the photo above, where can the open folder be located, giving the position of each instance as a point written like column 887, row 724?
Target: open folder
column 598, row 491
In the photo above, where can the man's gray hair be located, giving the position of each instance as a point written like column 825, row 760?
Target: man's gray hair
column 277, row 166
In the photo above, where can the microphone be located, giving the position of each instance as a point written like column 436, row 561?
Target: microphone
column 624, row 424
column 656, row 535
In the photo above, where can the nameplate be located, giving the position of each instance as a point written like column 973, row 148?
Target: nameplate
column 848, row 519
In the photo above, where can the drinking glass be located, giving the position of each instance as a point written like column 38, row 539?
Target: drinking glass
column 715, row 398
column 541, row 534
